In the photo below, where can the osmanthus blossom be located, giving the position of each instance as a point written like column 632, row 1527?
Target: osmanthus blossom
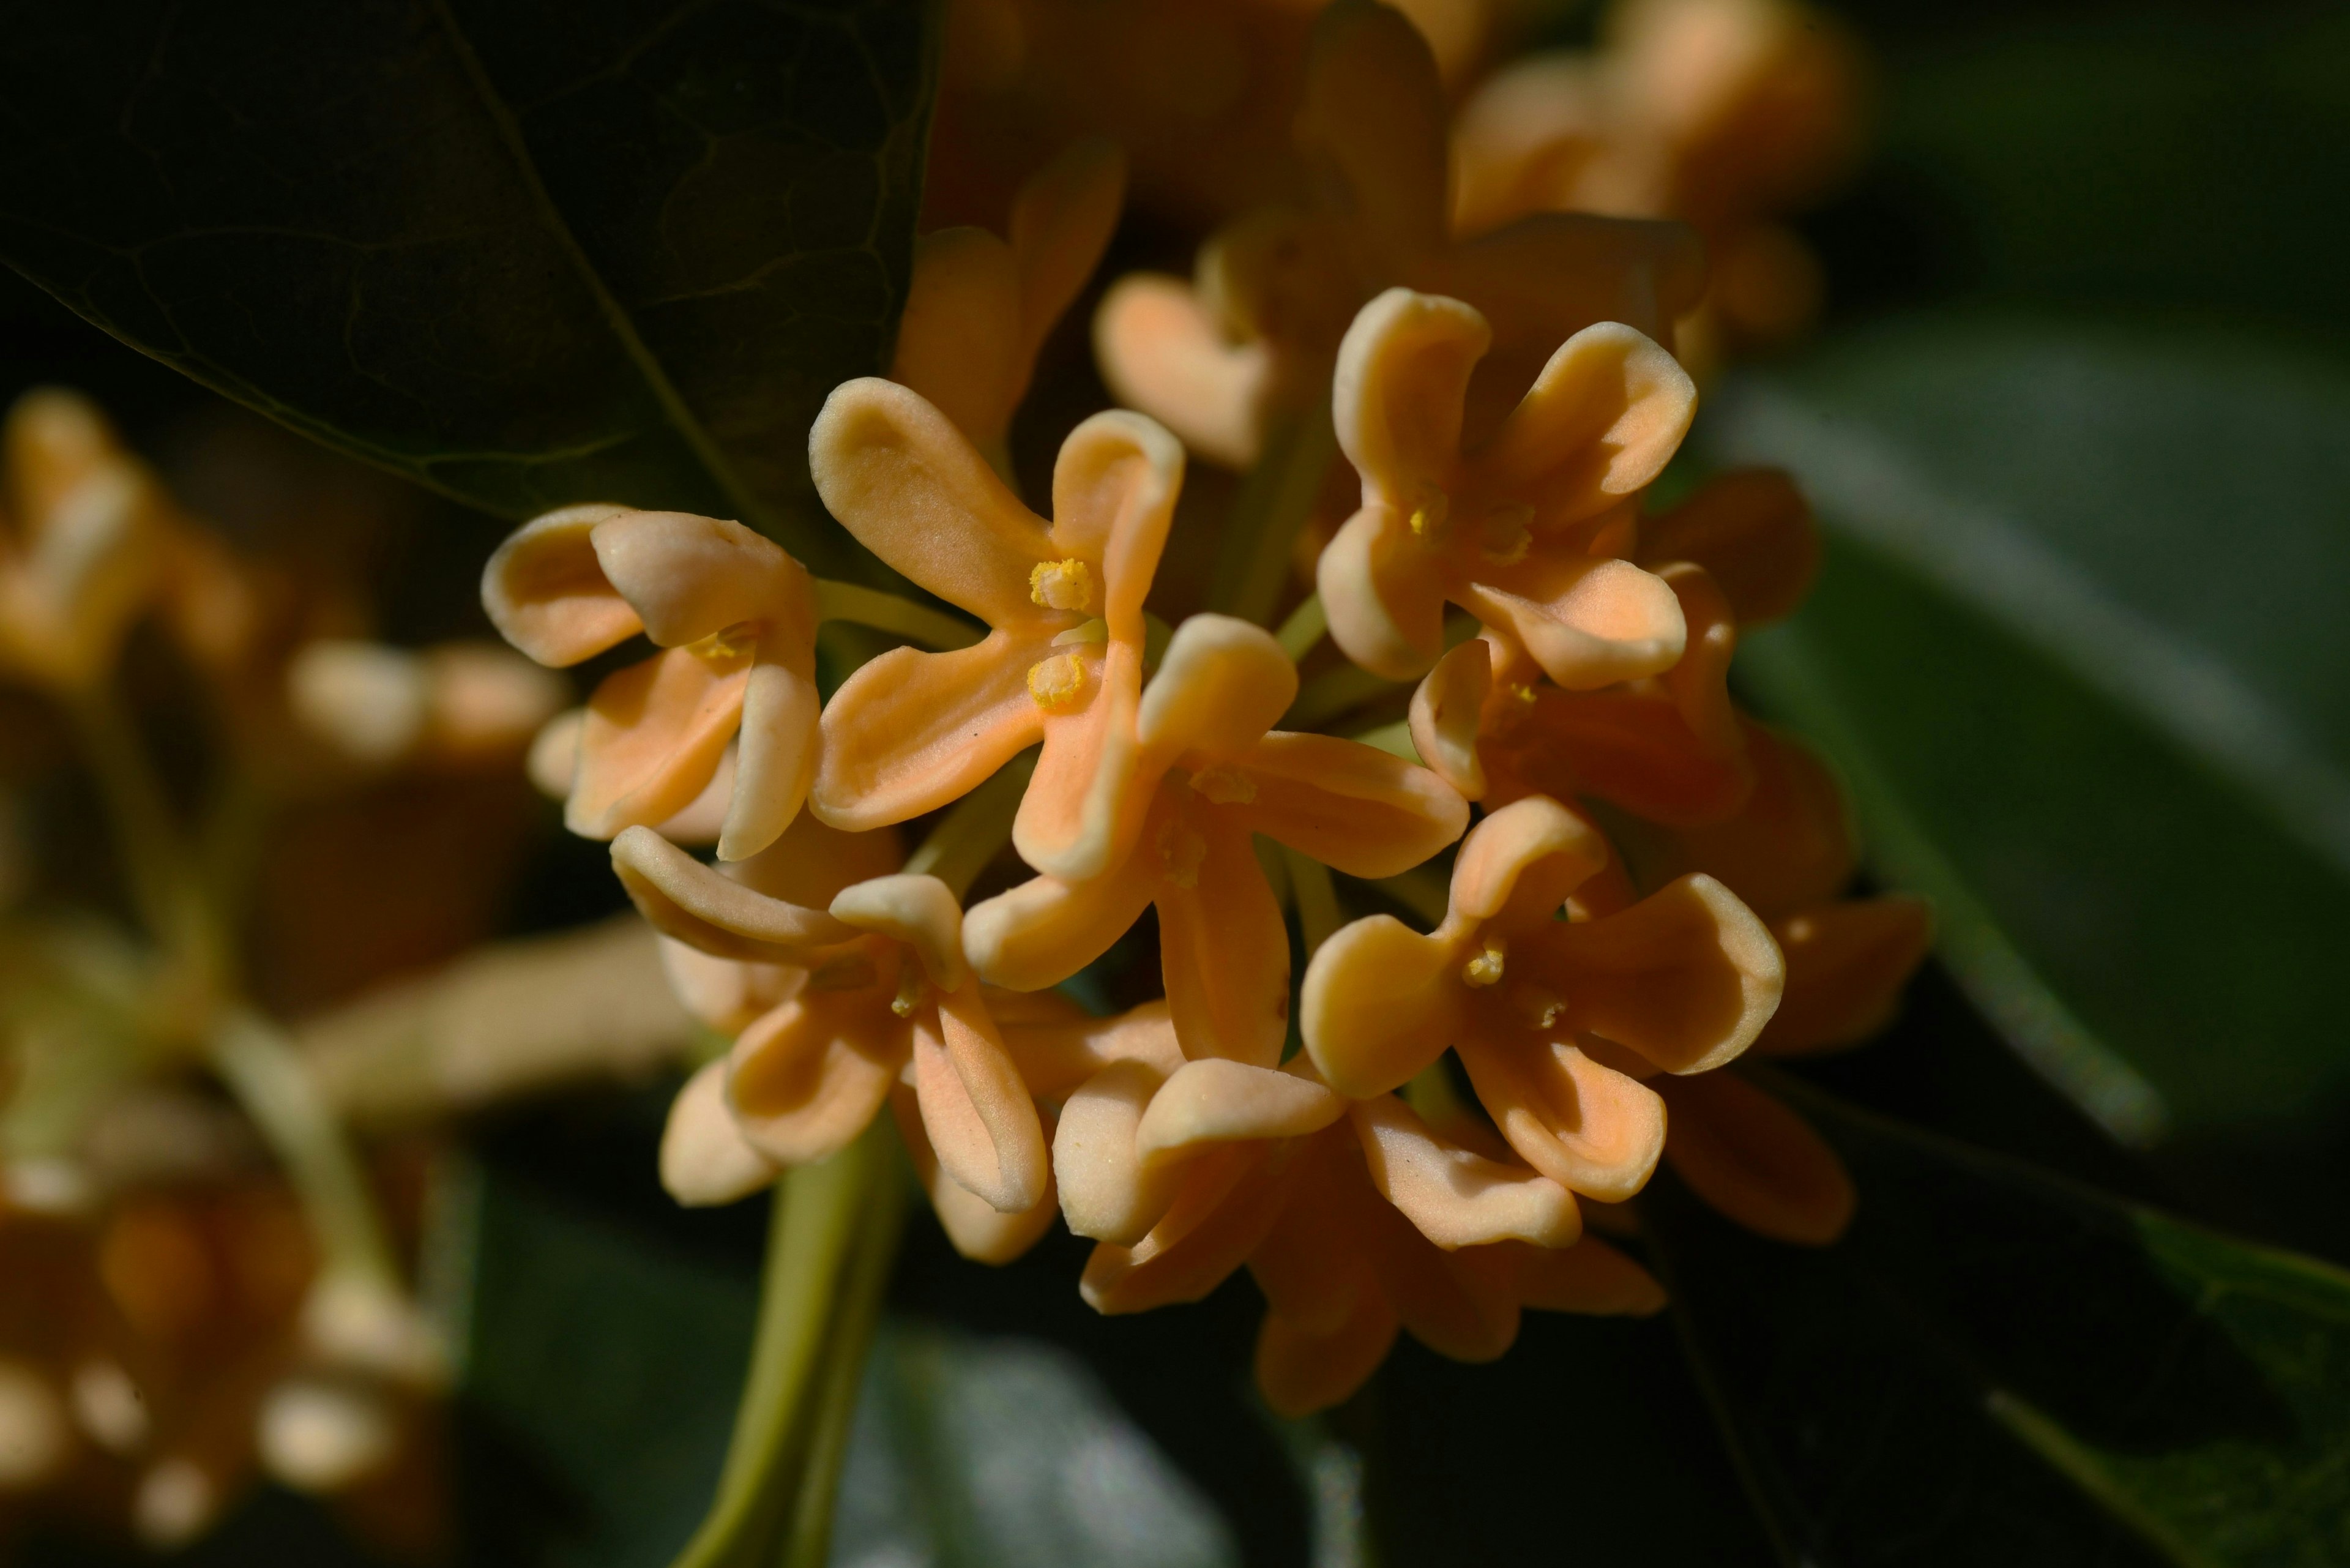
column 1525, row 530
column 1208, row 774
column 735, row 617
column 978, row 307
column 1223, row 359
column 1062, row 662
column 1559, row 1023
column 83, row 526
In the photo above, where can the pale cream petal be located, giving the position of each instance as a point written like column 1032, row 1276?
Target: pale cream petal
column 1382, row 594
column 1687, row 977
column 1396, row 395
column 695, row 904
column 1374, row 116
column 1752, row 531
column 775, row 750
column 546, row 592
column 1378, row 1005
column 1218, row 1101
column 813, row 861
column 981, row 1118
column 1456, row 1198
column 1519, row 865
column 1299, row 1371
column 921, row 911
column 704, row 1157
column 1757, row 1161
column 1590, row 1277
column 1587, row 1128
column 1447, row 712
column 1108, row 1191
column 960, row 343
column 688, row 577
column 912, row 731
column 651, row 742
column 1221, row 684
column 1600, row 422
column 1588, row 620
column 1114, row 490
column 1223, row 951
column 725, row 993
column 1056, row 1055
column 911, row 488
column 980, row 1231
column 1218, row 1219
column 1847, row 964
column 1160, row 351
column 1349, row 805
column 1044, row 931
column 1062, row 221
column 805, row 1079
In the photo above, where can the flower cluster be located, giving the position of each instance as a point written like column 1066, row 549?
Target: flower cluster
column 1409, row 1134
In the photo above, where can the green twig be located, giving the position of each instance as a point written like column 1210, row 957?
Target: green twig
column 892, row 613
column 1274, row 501
column 959, row 847
column 1307, row 625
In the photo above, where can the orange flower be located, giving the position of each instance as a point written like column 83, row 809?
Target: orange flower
column 1557, row 1021
column 1524, row 530
column 82, row 526
column 979, row 309
column 1209, row 773
column 1222, row 360
column 736, row 617
column 1063, row 662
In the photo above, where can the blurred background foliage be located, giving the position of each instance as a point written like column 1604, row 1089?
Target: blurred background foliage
column 2075, row 422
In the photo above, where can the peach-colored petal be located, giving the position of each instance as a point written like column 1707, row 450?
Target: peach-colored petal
column 1590, row 1277
column 1699, row 683
column 1792, row 845
column 911, row 487
column 1086, row 801
column 1217, row 1219
column 1687, row 977
column 1161, row 352
column 1221, row 684
column 1056, row 1053
column 1218, row 1101
column 1349, row 805
column 912, row 731
column 1396, row 395
column 1223, row 951
column 805, row 1079
column 1548, row 276
column 979, row 1115
column 1379, row 1005
column 1600, row 422
column 1044, row 931
column 1753, row 532
column 1447, row 712
column 1460, row 1304
column 775, row 750
column 695, row 904
column 1587, row 1128
column 725, row 995
column 688, row 577
column 546, row 592
column 1519, row 865
column 1109, row 1191
column 980, row 1231
column 704, row 1157
column 1384, row 602
column 921, row 911
column 1375, row 116
column 1521, row 138
column 1587, row 620
column 1062, row 221
column 1300, row 1371
column 813, row 861
column 1114, row 490
column 1456, row 1198
column 652, row 740
column 1846, row 964
column 1314, row 1265
column 960, row 343
column 1757, row 1161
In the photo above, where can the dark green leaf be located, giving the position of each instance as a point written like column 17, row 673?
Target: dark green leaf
column 526, row 253
column 1997, row 1367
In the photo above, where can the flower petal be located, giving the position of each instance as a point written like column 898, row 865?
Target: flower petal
column 1062, row 221
column 651, row 742
column 1548, row 276
column 1314, row 1264
column 1056, row 1055
column 1397, row 394
column 1044, row 931
column 911, row 488
column 979, row 1115
column 704, row 1158
column 1221, row 683
column 1458, row 1199
column 775, row 755
column 1223, row 951
column 1300, row 1371
column 1384, row 603
column 1219, row 1101
column 1374, row 113
column 1792, row 845
column 1447, row 713
column 1518, row 866
column 1460, row 1304
column 1161, row 352
column 921, row 911
column 912, row 731
column 960, row 343
column 813, row 861
column 1758, row 1162
column 1752, row 530
column 1847, row 964
column 1588, row 620
column 805, row 1079
column 1687, row 977
column 1587, row 1128
column 1114, row 490
column 1220, row 1215
column 546, row 592
column 1108, row 1191
column 1590, row 1277
column 980, row 1231
column 1086, row 801
column 1349, row 805
column 688, row 576
column 1377, row 1006
column 1601, row 420
column 695, row 904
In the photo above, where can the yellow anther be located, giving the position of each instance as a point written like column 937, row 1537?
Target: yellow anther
column 1506, row 533
column 911, row 983
column 1431, row 514
column 1056, row 682
column 1541, row 1007
column 1094, row 630
column 1524, row 694
column 1181, row 851
column 1225, row 784
column 731, row 646
column 1485, row 969
column 1062, row 584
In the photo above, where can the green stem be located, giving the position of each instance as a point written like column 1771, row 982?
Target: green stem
column 829, row 1220
column 810, row 1541
column 1276, row 498
column 1318, row 900
column 1307, row 625
column 1334, row 693
column 959, row 847
column 892, row 613
column 163, row 884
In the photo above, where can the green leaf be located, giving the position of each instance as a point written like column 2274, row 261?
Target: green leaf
column 2074, row 645
column 521, row 253
column 1995, row 1365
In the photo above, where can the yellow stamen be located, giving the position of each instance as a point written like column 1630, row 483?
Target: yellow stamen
column 1094, row 630
column 1056, row 682
column 1505, row 534
column 1062, row 584
column 1181, row 851
column 1485, row 969
column 911, row 983
column 1225, row 784
column 1431, row 515
column 1541, row 1007
column 731, row 646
